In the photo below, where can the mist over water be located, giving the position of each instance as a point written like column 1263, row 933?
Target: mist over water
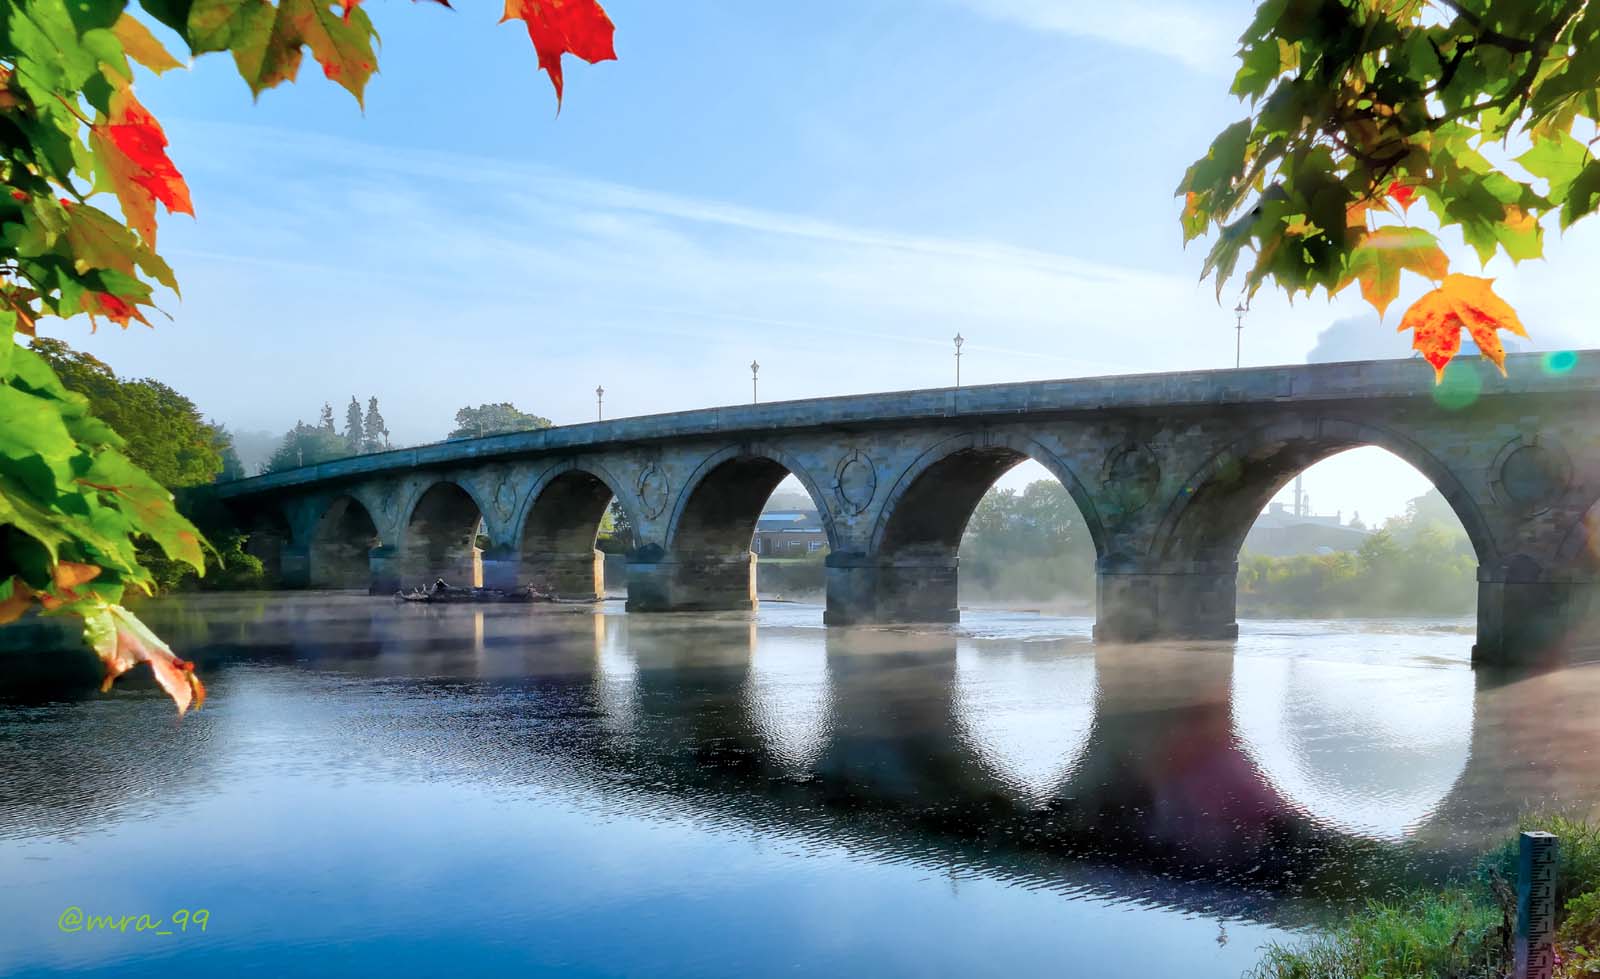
column 414, row 790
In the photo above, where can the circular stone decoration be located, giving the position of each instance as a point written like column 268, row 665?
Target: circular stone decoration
column 1131, row 475
column 1532, row 473
column 653, row 491
column 855, row 482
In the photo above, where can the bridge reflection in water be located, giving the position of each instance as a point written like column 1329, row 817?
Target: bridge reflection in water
column 1263, row 778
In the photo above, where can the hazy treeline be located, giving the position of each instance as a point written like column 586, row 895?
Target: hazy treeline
column 1420, row 563
column 1030, row 546
column 365, row 432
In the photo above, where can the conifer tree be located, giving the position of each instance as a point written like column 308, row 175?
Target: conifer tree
column 353, row 431
column 375, row 435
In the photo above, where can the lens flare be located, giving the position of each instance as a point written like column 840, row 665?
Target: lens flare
column 1459, row 387
column 1560, row 361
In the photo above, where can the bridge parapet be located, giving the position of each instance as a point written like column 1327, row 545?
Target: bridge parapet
column 1168, row 472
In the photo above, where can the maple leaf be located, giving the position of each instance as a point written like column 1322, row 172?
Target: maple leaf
column 1382, row 255
column 140, row 45
column 1402, row 194
column 123, row 642
column 556, row 27
column 133, row 154
column 114, row 308
column 1462, row 301
column 17, row 598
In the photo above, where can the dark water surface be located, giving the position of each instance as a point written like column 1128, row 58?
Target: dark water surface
column 409, row 791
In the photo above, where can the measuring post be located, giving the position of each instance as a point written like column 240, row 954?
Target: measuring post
column 1536, row 907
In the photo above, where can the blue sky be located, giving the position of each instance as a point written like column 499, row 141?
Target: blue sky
column 832, row 188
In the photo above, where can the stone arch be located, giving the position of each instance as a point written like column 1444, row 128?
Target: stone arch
column 439, row 536
column 614, row 486
column 341, row 542
column 1206, row 522
column 909, row 571
column 931, row 502
column 556, row 529
column 717, row 509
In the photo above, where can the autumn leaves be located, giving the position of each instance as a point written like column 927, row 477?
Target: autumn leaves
column 73, row 507
column 1361, row 109
column 1437, row 319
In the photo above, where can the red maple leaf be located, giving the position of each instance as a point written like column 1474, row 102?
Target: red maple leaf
column 1402, row 194
column 556, row 27
column 134, row 149
column 114, row 308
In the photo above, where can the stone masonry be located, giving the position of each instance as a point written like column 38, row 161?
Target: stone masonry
column 1169, row 472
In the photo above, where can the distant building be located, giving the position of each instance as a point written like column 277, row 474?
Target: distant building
column 789, row 533
column 1281, row 532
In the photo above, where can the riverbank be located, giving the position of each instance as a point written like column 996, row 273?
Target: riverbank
column 1462, row 931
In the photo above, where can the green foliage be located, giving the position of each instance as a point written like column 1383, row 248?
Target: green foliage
column 495, row 419
column 616, row 530
column 1352, row 99
column 1577, row 859
column 1418, row 564
column 163, row 432
column 354, row 433
column 1448, row 934
column 307, row 445
column 69, row 493
column 1461, row 931
column 1030, row 545
column 374, row 431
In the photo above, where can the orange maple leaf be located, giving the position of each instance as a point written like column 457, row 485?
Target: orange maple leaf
column 123, row 642
column 137, row 167
column 556, row 27
column 1462, row 301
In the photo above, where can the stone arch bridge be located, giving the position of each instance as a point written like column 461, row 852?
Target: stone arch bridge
column 1169, row 472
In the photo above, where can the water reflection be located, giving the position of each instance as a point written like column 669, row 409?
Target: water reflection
column 1300, row 767
column 788, row 697
column 1027, row 710
column 1369, row 749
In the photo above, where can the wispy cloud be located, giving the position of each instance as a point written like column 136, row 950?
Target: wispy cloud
column 1201, row 39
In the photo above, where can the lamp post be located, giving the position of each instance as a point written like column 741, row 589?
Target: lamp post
column 754, row 368
column 959, row 340
column 599, row 403
column 1238, row 331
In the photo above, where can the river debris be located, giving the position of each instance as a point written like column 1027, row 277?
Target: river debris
column 442, row 592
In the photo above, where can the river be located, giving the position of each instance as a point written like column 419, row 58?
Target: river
column 390, row 790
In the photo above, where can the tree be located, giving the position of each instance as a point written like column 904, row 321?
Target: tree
column 1358, row 108
column 232, row 465
column 375, row 436
column 325, row 420
column 71, row 503
column 307, row 445
column 616, row 530
column 354, row 435
column 495, row 419
column 164, row 432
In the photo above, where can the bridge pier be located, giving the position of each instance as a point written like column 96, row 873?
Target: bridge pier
column 1535, row 623
column 578, row 575
column 659, row 582
column 383, row 563
column 294, row 566
column 1138, row 605
column 864, row 590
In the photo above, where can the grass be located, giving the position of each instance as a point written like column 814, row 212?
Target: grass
column 1461, row 930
